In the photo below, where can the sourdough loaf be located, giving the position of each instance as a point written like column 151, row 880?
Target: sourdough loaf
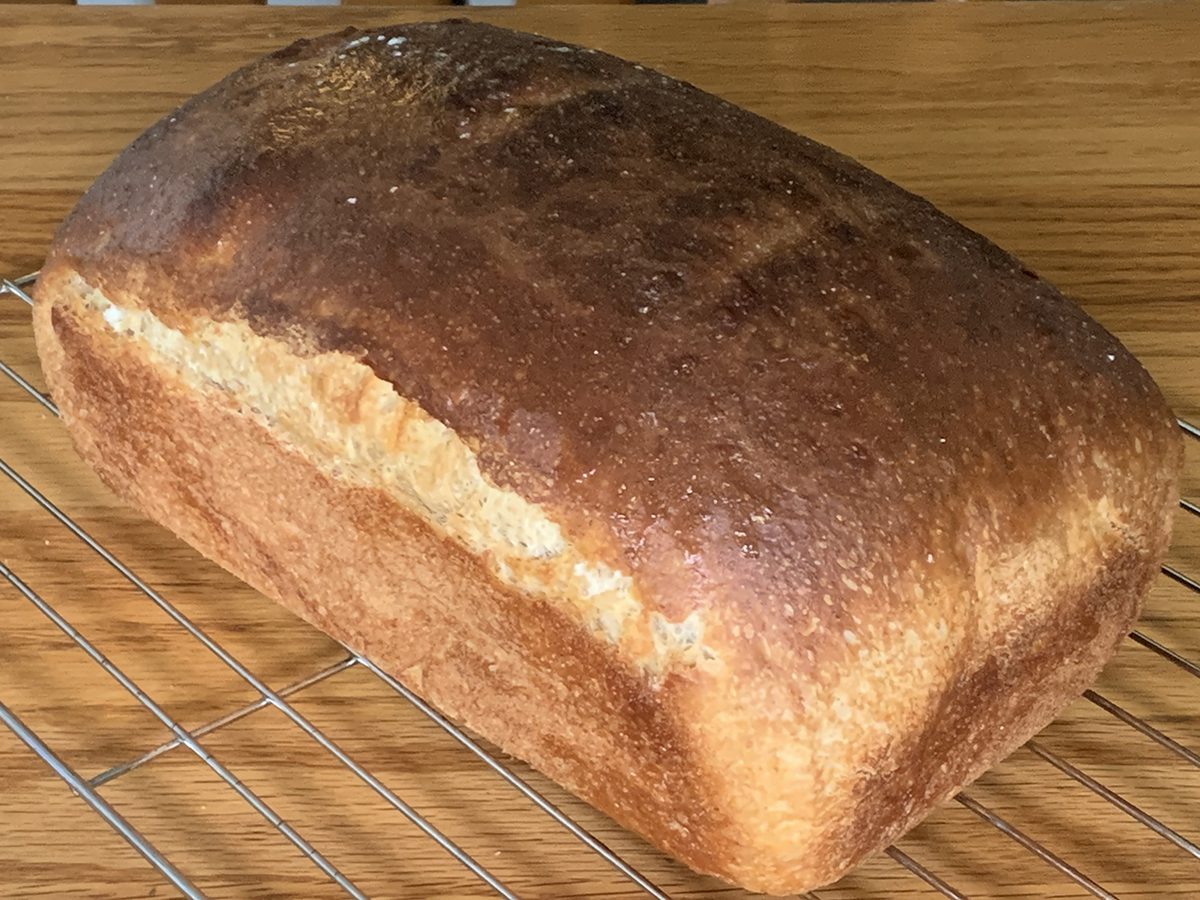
column 738, row 490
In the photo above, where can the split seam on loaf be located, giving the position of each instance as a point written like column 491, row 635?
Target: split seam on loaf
column 358, row 428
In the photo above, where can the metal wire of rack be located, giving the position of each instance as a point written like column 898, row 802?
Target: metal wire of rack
column 88, row 788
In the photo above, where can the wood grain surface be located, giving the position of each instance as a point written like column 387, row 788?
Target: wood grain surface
column 1067, row 132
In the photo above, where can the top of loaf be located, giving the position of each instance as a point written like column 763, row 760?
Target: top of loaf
column 724, row 358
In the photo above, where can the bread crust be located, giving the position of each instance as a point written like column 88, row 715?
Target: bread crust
column 911, row 495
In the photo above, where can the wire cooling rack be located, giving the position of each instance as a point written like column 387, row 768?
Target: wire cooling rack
column 89, row 788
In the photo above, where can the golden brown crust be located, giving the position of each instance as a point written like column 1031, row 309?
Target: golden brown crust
column 625, row 277
column 915, row 493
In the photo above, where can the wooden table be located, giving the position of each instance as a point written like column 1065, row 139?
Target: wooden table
column 1068, row 132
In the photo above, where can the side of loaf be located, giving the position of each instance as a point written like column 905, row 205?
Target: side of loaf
column 742, row 493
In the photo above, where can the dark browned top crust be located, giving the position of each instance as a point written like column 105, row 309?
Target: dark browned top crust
column 724, row 357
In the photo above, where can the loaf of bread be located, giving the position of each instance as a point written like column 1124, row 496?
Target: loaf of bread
column 738, row 490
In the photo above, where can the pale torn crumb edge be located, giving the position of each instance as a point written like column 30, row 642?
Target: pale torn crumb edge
column 355, row 427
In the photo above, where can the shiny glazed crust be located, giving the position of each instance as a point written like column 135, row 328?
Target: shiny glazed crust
column 781, row 505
